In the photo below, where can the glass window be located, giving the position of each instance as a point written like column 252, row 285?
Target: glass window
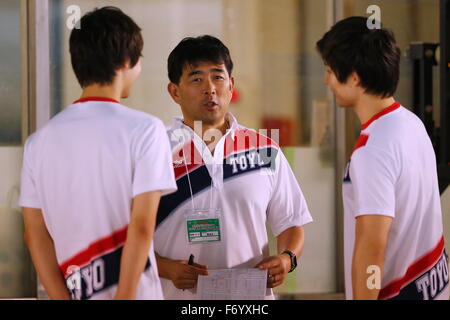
column 10, row 74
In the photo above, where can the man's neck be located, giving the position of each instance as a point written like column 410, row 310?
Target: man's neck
column 368, row 106
column 109, row 91
column 222, row 126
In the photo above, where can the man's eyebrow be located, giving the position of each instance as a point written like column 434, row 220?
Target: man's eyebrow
column 196, row 72
column 193, row 73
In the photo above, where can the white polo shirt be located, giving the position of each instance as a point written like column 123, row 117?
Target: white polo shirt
column 392, row 172
column 248, row 179
column 82, row 169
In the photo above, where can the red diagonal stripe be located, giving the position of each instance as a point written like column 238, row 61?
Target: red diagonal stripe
column 246, row 139
column 416, row 269
column 187, row 154
column 361, row 142
column 96, row 249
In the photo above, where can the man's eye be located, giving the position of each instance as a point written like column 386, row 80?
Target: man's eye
column 219, row 78
column 196, row 80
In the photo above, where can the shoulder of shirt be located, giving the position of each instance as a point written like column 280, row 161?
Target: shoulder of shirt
column 387, row 135
column 132, row 118
column 139, row 115
column 392, row 129
column 30, row 140
column 136, row 116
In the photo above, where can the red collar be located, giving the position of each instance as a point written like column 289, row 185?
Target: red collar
column 96, row 99
column 383, row 112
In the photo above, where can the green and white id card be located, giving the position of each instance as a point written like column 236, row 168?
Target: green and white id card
column 203, row 226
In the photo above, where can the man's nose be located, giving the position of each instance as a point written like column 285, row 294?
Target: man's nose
column 209, row 87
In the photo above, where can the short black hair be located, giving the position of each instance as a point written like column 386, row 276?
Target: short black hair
column 106, row 40
column 350, row 46
column 191, row 51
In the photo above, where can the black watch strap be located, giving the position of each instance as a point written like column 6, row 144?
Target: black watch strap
column 293, row 259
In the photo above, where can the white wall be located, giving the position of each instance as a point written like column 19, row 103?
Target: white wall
column 317, row 266
column 15, row 264
column 242, row 35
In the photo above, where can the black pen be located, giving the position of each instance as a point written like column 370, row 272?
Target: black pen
column 191, row 260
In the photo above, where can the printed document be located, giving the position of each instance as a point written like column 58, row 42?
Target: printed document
column 233, row 284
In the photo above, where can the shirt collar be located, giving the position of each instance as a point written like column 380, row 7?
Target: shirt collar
column 383, row 112
column 233, row 125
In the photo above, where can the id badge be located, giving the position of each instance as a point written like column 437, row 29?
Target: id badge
column 203, row 226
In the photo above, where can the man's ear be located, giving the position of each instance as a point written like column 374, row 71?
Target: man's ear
column 231, row 84
column 172, row 88
column 354, row 79
column 126, row 64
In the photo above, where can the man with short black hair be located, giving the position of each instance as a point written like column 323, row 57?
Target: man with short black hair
column 393, row 234
column 93, row 176
column 231, row 182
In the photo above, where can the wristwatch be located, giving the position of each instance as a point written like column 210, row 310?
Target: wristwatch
column 293, row 259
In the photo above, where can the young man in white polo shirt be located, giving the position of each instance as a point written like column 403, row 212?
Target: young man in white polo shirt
column 93, row 176
column 235, row 181
column 393, row 234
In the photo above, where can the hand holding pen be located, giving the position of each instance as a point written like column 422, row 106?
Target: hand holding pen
column 184, row 273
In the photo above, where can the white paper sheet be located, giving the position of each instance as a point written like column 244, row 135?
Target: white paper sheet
column 233, row 284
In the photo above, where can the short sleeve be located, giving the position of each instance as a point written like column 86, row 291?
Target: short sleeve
column 28, row 190
column 373, row 177
column 287, row 207
column 153, row 169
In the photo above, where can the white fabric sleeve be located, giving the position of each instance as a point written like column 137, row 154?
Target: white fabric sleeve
column 287, row 207
column 28, row 191
column 153, row 169
column 372, row 172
